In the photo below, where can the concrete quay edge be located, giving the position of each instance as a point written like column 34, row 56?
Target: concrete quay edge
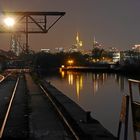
column 81, row 119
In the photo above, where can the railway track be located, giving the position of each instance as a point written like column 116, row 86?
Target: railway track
column 62, row 116
column 20, row 115
column 5, row 75
column 11, row 107
column 7, row 111
column 10, row 91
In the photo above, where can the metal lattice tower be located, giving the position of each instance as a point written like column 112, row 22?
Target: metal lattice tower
column 31, row 23
column 15, row 44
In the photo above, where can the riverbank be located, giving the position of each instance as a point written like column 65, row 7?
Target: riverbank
column 80, row 119
column 108, row 69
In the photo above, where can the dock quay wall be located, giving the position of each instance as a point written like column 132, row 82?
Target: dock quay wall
column 85, row 126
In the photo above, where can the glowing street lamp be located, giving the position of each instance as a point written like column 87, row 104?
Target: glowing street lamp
column 70, row 62
column 9, row 21
column 29, row 22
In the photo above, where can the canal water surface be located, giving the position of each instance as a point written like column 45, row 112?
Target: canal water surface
column 100, row 93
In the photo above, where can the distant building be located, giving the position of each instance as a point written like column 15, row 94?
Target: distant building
column 96, row 44
column 116, row 57
column 136, row 48
column 45, row 50
column 113, row 49
column 78, row 45
column 73, row 50
column 115, row 53
column 61, row 49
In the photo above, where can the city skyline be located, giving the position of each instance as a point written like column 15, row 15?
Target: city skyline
column 113, row 23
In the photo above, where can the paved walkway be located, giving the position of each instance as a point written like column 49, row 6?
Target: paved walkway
column 43, row 121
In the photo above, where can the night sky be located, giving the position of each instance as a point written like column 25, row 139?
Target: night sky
column 114, row 23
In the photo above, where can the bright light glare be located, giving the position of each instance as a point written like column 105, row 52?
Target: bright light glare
column 9, row 21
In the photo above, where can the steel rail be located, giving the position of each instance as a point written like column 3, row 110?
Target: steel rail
column 134, row 81
column 8, row 110
column 61, row 114
column 4, row 77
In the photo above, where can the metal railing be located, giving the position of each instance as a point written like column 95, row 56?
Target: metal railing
column 135, row 106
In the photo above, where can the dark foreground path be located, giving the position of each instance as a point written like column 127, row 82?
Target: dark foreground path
column 44, row 123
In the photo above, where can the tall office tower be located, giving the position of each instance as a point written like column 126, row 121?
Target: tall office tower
column 95, row 43
column 79, row 43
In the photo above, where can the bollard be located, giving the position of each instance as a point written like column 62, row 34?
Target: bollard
column 88, row 117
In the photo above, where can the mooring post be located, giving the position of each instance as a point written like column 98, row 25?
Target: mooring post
column 88, row 116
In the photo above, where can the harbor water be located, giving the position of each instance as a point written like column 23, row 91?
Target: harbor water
column 99, row 93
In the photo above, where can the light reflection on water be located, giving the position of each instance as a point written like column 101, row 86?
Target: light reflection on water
column 100, row 93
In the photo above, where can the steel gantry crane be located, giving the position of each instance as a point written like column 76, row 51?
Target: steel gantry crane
column 31, row 23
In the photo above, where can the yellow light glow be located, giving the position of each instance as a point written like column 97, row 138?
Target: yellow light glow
column 70, row 79
column 77, row 88
column 80, row 43
column 79, row 85
column 9, row 21
column 62, row 66
column 70, row 62
column 63, row 74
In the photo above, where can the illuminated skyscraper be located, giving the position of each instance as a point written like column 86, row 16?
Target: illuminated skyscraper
column 95, row 43
column 79, row 43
